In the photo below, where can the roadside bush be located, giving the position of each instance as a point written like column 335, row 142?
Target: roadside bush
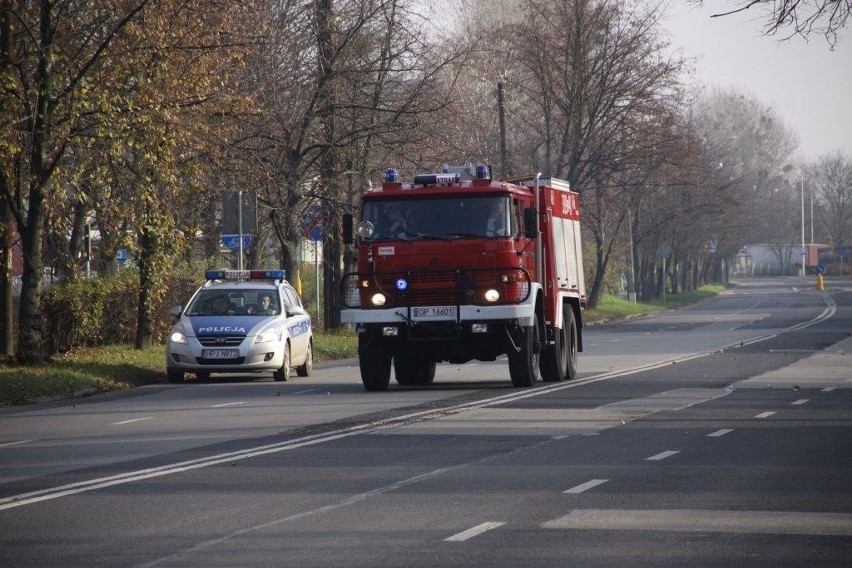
column 102, row 310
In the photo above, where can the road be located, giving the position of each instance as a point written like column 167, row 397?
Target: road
column 717, row 435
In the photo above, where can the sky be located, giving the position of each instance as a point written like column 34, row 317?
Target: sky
column 808, row 85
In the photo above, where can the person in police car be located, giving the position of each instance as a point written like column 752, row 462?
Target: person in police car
column 221, row 306
column 266, row 307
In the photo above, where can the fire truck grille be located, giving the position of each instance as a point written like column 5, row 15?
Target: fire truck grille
column 436, row 288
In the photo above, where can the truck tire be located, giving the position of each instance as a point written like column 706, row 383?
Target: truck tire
column 559, row 361
column 524, row 364
column 374, row 359
column 412, row 370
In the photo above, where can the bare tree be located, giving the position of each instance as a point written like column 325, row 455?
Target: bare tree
column 831, row 180
column 795, row 17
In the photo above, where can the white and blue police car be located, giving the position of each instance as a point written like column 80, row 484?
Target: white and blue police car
column 241, row 321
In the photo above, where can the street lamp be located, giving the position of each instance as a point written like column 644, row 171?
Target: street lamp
column 802, row 269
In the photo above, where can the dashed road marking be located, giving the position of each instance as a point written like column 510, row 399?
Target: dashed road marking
column 720, row 433
column 765, row 414
column 226, row 404
column 662, row 455
column 474, row 531
column 800, row 402
column 586, row 486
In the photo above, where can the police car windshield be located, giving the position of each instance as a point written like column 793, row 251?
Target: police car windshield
column 223, row 301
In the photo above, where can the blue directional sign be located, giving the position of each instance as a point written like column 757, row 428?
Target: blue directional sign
column 820, row 269
column 121, row 256
column 311, row 223
column 232, row 242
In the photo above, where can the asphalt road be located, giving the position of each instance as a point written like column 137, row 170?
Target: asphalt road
column 717, row 435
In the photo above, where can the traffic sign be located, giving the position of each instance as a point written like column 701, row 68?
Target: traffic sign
column 121, row 256
column 232, row 242
column 311, row 223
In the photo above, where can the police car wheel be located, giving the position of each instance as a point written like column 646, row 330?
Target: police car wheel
column 284, row 372
column 174, row 376
column 305, row 369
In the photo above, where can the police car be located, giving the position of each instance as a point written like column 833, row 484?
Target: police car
column 241, row 321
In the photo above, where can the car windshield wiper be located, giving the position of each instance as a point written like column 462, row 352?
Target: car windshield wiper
column 426, row 237
column 470, row 235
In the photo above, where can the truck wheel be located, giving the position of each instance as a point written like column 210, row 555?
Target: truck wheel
column 523, row 364
column 284, row 372
column 572, row 344
column 304, row 370
column 174, row 376
column 411, row 370
column 559, row 361
column 374, row 358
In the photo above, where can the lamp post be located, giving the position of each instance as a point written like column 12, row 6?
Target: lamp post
column 802, row 269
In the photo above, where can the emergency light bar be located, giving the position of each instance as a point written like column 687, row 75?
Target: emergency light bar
column 225, row 274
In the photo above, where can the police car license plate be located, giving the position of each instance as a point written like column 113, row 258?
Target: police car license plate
column 433, row 313
column 220, row 353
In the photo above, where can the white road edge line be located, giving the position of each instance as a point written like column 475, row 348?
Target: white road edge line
column 131, row 421
column 585, row 486
column 224, row 404
column 18, row 443
column 663, row 455
column 474, row 531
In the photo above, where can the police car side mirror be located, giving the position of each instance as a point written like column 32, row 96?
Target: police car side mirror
column 296, row 311
column 530, row 217
column 176, row 311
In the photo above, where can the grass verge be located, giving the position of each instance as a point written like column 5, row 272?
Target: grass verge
column 115, row 367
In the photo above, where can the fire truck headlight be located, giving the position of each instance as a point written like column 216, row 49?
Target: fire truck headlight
column 178, row 337
column 379, row 299
column 492, row 295
column 366, row 229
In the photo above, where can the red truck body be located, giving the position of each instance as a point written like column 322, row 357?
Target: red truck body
column 453, row 268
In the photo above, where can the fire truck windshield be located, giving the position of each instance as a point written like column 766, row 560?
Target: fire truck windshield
column 441, row 217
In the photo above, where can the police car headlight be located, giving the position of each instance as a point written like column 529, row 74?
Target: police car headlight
column 178, row 337
column 268, row 335
column 379, row 299
column 492, row 295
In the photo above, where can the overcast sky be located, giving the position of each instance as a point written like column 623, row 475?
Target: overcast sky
column 809, row 86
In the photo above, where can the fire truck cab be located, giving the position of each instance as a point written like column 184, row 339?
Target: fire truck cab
column 457, row 266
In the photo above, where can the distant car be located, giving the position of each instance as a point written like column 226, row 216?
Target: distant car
column 241, row 321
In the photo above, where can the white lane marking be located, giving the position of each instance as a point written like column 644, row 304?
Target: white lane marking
column 585, row 486
column 765, row 414
column 19, row 442
column 663, row 455
column 132, row 421
column 131, row 476
column 720, row 433
column 306, row 391
column 828, row 389
column 679, row 520
column 474, row 531
column 800, row 402
column 224, row 404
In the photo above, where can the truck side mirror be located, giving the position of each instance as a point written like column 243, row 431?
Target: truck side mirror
column 530, row 218
column 348, row 238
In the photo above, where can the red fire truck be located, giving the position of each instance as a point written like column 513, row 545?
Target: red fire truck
column 458, row 266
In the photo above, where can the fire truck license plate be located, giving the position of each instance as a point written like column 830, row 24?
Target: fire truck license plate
column 434, row 313
column 220, row 353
